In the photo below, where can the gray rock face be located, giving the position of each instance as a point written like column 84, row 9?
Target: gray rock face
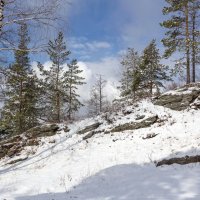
column 89, row 128
column 14, row 145
column 136, row 125
column 179, row 99
column 43, row 131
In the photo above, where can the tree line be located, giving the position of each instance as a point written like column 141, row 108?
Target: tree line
column 49, row 96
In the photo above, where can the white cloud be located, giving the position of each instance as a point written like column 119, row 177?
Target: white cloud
column 97, row 45
column 84, row 48
column 107, row 67
column 87, row 73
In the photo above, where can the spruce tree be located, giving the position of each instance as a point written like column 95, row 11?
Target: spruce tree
column 152, row 72
column 20, row 112
column 71, row 80
column 130, row 64
column 52, row 81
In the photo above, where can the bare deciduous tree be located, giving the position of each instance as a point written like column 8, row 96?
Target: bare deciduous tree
column 97, row 102
column 36, row 14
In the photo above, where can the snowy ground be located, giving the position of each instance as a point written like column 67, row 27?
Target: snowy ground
column 117, row 166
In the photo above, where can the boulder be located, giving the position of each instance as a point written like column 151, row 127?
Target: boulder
column 136, row 125
column 181, row 98
column 14, row 145
column 43, row 131
column 89, row 135
column 89, row 128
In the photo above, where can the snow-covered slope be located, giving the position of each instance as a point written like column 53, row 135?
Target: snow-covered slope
column 118, row 165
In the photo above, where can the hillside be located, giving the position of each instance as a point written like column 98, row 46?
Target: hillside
column 113, row 156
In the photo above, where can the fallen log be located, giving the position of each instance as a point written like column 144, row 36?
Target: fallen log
column 181, row 161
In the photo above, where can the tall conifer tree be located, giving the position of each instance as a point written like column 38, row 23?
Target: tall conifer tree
column 71, row 80
column 20, row 112
column 130, row 64
column 182, row 33
column 153, row 73
column 53, row 78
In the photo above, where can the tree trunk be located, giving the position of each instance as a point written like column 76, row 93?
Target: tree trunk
column 187, row 38
column 100, row 95
column 20, row 107
column 151, row 88
column 1, row 14
column 57, row 96
column 70, row 98
column 193, row 45
column 70, row 103
column 58, row 107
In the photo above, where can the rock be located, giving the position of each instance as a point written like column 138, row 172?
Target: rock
column 179, row 99
column 140, row 117
column 14, row 145
column 11, row 146
column 127, row 112
column 196, row 103
column 136, row 125
column 2, row 153
column 52, row 141
column 149, row 136
column 32, row 142
column 89, row 128
column 181, row 161
column 66, row 129
column 17, row 160
column 43, row 131
column 14, row 150
column 89, row 135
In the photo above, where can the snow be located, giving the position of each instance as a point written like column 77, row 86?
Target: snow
column 182, row 91
column 112, row 166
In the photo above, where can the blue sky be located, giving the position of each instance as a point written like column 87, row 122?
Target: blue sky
column 117, row 23
column 98, row 31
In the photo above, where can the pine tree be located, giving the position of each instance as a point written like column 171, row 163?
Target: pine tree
column 20, row 112
column 178, row 36
column 71, row 80
column 53, row 79
column 130, row 64
column 152, row 72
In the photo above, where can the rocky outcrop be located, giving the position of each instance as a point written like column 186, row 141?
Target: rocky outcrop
column 181, row 98
column 181, row 161
column 89, row 128
column 136, row 125
column 43, row 131
column 14, row 145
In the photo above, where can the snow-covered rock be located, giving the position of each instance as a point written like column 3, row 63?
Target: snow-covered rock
column 181, row 98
